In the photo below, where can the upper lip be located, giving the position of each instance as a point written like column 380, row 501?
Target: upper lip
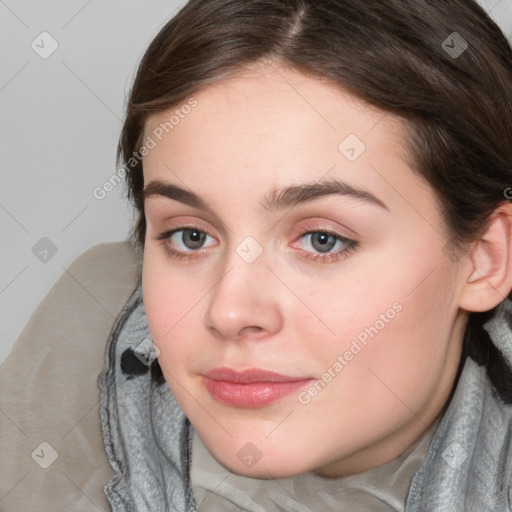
column 250, row 375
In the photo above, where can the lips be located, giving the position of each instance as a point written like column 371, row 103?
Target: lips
column 251, row 388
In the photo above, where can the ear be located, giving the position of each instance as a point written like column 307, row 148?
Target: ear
column 489, row 279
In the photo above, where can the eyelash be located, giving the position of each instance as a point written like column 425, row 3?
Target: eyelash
column 333, row 257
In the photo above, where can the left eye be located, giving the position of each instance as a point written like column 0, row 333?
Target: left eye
column 322, row 241
column 324, row 246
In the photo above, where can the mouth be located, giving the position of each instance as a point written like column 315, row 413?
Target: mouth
column 252, row 388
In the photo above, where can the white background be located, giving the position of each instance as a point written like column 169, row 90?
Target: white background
column 60, row 119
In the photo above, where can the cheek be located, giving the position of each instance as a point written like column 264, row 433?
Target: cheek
column 171, row 305
column 403, row 364
column 168, row 292
column 381, row 338
column 337, row 310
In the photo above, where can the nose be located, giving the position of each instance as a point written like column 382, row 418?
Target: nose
column 244, row 304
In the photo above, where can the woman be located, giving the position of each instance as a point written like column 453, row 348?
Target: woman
column 322, row 321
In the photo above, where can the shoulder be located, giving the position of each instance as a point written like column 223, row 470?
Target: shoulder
column 48, row 383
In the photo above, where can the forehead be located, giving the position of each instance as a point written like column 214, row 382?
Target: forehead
column 264, row 96
column 268, row 127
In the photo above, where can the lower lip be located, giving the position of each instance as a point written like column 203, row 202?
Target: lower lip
column 253, row 395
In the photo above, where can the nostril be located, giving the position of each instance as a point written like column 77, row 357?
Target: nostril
column 250, row 330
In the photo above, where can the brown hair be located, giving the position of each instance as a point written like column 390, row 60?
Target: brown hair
column 443, row 67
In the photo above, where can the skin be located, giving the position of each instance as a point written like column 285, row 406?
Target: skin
column 262, row 129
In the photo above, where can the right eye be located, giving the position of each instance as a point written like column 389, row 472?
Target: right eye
column 184, row 242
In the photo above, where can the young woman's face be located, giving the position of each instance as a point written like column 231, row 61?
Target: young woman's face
column 298, row 241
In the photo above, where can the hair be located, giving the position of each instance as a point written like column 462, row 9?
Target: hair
column 443, row 67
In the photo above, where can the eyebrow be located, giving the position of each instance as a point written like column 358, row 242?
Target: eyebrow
column 286, row 197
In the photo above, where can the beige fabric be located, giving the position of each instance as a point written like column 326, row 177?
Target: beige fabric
column 380, row 489
column 49, row 391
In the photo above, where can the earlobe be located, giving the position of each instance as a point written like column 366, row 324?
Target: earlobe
column 490, row 277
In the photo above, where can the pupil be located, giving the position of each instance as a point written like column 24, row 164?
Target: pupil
column 323, row 242
column 193, row 238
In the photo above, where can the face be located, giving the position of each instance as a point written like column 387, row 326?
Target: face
column 289, row 235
